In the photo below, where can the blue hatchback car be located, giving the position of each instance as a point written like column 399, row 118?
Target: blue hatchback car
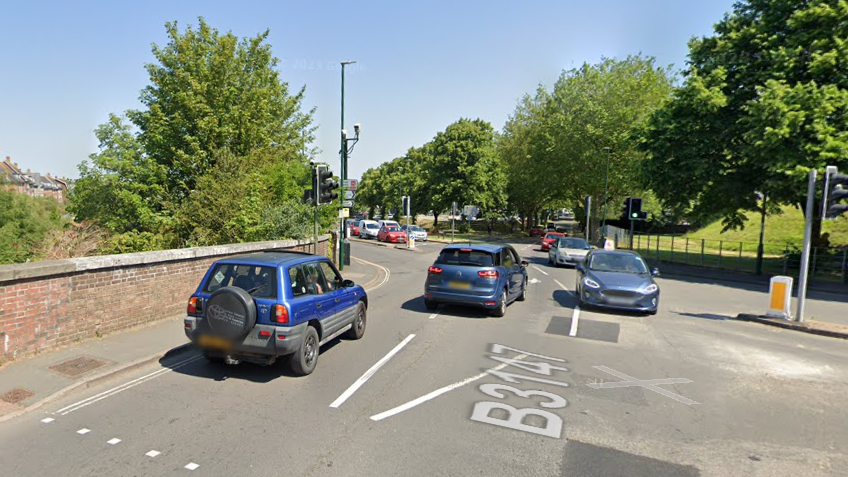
column 483, row 275
column 263, row 306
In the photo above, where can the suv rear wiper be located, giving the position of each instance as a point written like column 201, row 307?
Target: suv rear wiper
column 250, row 292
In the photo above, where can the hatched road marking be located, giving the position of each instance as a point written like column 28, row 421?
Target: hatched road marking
column 365, row 377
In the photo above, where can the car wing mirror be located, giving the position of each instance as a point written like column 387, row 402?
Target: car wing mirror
column 580, row 268
column 525, row 263
column 655, row 272
column 347, row 283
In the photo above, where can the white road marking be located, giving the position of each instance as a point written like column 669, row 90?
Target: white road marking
column 560, row 285
column 191, row 466
column 525, row 248
column 534, row 281
column 47, row 420
column 650, row 384
column 434, row 315
column 386, row 270
column 574, row 319
column 539, row 269
column 123, row 387
column 365, row 377
column 153, row 453
column 438, row 392
column 113, row 441
column 83, row 431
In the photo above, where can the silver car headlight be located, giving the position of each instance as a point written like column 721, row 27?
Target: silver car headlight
column 591, row 283
column 651, row 288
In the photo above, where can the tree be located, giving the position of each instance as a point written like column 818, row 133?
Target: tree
column 466, row 168
column 764, row 101
column 210, row 96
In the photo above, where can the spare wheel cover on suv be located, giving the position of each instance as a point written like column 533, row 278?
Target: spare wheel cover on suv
column 230, row 313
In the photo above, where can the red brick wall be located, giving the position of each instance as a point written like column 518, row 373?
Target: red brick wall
column 42, row 312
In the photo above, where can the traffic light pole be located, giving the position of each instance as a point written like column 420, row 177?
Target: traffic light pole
column 805, row 255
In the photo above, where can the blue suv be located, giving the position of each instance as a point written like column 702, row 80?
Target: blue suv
column 483, row 275
column 263, row 306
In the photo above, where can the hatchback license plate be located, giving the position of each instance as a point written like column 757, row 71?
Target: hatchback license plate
column 213, row 342
column 614, row 300
column 463, row 285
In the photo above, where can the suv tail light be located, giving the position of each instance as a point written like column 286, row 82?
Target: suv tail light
column 435, row 270
column 195, row 305
column 281, row 314
column 488, row 274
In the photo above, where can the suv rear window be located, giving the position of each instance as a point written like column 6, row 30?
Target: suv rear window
column 458, row 256
column 260, row 281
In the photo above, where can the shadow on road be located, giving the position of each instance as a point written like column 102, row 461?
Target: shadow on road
column 565, row 299
column 244, row 371
column 706, row 316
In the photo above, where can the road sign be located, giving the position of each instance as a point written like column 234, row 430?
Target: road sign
column 350, row 184
column 344, row 213
column 348, row 204
column 350, row 195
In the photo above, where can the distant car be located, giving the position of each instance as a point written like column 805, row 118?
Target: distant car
column 617, row 279
column 537, row 231
column 368, row 229
column 550, row 238
column 391, row 233
column 354, row 229
column 568, row 251
column 416, row 232
column 481, row 275
column 262, row 306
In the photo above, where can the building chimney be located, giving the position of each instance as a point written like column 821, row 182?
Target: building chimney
column 48, row 176
column 8, row 159
column 29, row 171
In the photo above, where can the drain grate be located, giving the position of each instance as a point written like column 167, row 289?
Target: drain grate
column 77, row 366
column 17, row 395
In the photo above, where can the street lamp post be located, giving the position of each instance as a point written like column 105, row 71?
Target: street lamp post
column 343, row 173
column 606, row 184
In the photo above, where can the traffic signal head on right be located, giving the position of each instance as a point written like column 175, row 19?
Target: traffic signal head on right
column 836, row 192
column 326, row 185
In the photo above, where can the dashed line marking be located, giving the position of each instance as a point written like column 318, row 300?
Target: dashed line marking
column 192, row 466
column 365, row 377
column 153, row 453
column 83, row 431
column 540, row 270
column 47, row 420
column 574, row 318
column 438, row 392
column 113, row 441
column 560, row 284
column 434, row 315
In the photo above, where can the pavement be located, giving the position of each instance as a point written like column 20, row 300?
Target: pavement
column 29, row 383
column 691, row 391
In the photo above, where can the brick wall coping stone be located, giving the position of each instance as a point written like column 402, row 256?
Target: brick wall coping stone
column 47, row 268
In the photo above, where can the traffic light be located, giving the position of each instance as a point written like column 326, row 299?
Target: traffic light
column 406, row 206
column 325, row 185
column 633, row 208
column 834, row 192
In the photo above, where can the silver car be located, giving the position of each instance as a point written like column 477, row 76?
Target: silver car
column 568, row 251
column 416, row 232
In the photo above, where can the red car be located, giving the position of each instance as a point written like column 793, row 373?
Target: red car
column 354, row 229
column 537, row 231
column 391, row 233
column 550, row 238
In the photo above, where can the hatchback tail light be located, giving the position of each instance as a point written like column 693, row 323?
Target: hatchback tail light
column 281, row 314
column 488, row 274
column 435, row 270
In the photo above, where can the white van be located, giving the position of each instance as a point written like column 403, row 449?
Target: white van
column 387, row 222
column 368, row 229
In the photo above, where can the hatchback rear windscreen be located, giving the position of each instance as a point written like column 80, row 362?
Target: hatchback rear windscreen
column 456, row 256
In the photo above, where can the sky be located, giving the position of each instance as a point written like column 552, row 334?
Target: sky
column 65, row 66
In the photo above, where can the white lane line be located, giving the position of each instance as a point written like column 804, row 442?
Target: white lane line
column 574, row 318
column 560, row 284
column 365, row 377
column 123, row 387
column 191, row 466
column 83, row 431
column 385, row 270
column 47, row 420
column 434, row 315
column 438, row 392
column 539, row 269
column 113, row 441
column 525, row 248
column 153, row 453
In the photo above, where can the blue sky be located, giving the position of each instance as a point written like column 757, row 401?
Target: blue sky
column 64, row 66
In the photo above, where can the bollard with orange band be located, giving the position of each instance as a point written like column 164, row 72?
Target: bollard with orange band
column 780, row 297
